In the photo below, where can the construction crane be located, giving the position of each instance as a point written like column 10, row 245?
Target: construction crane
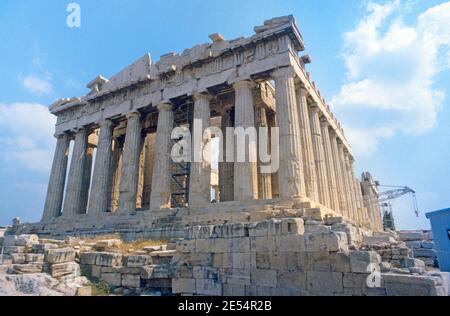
column 395, row 192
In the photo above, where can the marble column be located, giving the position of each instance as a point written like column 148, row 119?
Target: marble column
column 98, row 201
column 319, row 157
column 290, row 174
column 245, row 173
column 264, row 179
column 226, row 169
column 73, row 200
column 55, row 192
column 130, row 163
column 149, row 148
column 161, row 193
column 309, row 167
column 115, row 174
column 331, row 172
column 272, row 121
column 340, row 179
column 348, row 183
column 87, row 178
column 200, row 176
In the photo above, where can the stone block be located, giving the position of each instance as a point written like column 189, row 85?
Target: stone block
column 263, row 244
column 219, row 245
column 312, row 227
column 231, row 231
column 208, row 287
column 42, row 248
column 292, row 280
column 377, row 240
column 414, row 244
column 294, row 226
column 155, row 272
column 237, row 277
column 62, row 269
column 428, row 245
column 290, row 243
column 96, row 271
column 340, row 262
column 260, row 229
column 332, row 242
column 185, row 246
column 240, row 245
column 113, row 279
column 27, row 240
column 414, row 263
column 137, row 261
column 108, row 259
column 84, row 291
column 60, row 255
column 203, row 245
column 205, row 273
column 411, row 235
column 18, row 258
column 131, row 281
column 27, row 268
column 274, row 227
column 233, row 290
column 325, row 282
column 425, row 253
column 410, row 285
column 88, row 258
column 363, row 261
column 239, row 260
column 106, row 244
column 265, row 277
column 183, row 286
column 9, row 250
column 184, row 272
column 32, row 257
column 9, row 241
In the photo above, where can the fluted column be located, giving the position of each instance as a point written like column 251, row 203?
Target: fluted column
column 98, row 201
column 245, row 173
column 200, row 177
column 319, row 157
column 290, row 174
column 87, row 179
column 130, row 163
column 340, row 179
column 351, row 180
column 161, row 193
column 149, row 148
column 73, row 200
column 264, row 179
column 331, row 172
column 348, row 183
column 309, row 167
column 226, row 168
column 55, row 191
column 115, row 175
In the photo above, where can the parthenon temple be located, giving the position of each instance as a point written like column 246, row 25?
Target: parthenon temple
column 112, row 166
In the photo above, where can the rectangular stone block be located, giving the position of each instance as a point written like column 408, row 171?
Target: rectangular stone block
column 233, row 290
column 237, row 276
column 184, row 272
column 131, row 281
column 113, row 279
column 231, row 231
column 293, row 226
column 32, row 257
column 263, row 244
column 96, row 271
column 363, row 261
column 208, row 287
column 293, row 280
column 18, row 258
column 88, row 258
column 137, row 261
column 264, row 277
column 425, row 253
column 290, row 243
column 62, row 255
column 27, row 268
column 106, row 259
column 260, row 229
column 240, row 244
column 325, row 282
column 62, row 269
column 205, row 273
column 410, row 285
column 239, row 260
column 27, row 240
column 185, row 246
column 332, row 242
column 183, row 286
column 340, row 262
column 9, row 250
column 42, row 248
column 219, row 245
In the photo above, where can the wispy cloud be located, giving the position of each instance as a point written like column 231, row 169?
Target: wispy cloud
column 39, row 85
column 26, row 136
column 391, row 68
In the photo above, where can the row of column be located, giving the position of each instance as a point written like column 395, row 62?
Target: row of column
column 313, row 161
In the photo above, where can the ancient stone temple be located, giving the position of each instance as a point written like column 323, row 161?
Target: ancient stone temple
column 119, row 175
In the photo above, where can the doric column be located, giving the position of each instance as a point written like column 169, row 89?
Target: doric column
column 98, row 201
column 264, row 179
column 319, row 157
column 245, row 173
column 115, row 175
column 275, row 180
column 149, row 148
column 161, row 193
column 87, row 178
column 309, row 167
column 226, row 169
column 130, row 163
column 290, row 174
column 331, row 172
column 73, row 200
column 55, row 191
column 340, row 179
column 348, row 183
column 200, row 177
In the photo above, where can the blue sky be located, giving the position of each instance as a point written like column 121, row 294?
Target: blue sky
column 383, row 65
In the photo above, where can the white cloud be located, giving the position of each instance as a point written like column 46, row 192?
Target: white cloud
column 391, row 70
column 39, row 85
column 27, row 141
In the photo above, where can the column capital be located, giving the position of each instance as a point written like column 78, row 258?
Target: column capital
column 164, row 107
column 243, row 84
column 133, row 114
column 314, row 109
column 79, row 130
column 285, row 72
column 202, row 96
column 106, row 123
column 324, row 121
column 62, row 135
